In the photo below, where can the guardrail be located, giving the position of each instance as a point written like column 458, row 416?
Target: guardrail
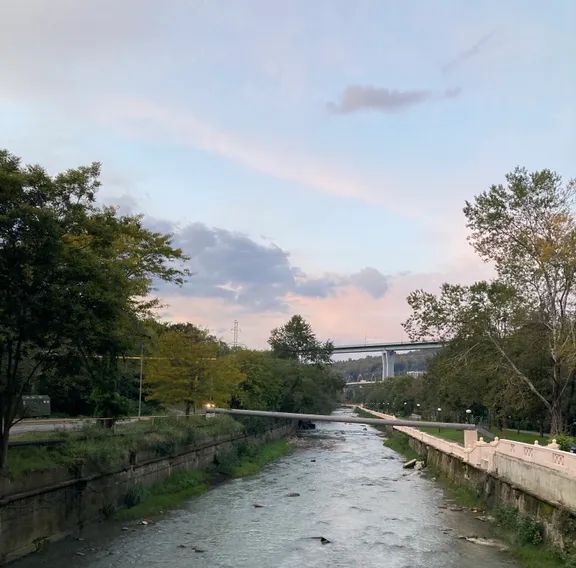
column 484, row 455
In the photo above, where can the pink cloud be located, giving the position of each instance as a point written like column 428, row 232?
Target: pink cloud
column 350, row 315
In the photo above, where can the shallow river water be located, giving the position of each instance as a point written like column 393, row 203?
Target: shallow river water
column 351, row 490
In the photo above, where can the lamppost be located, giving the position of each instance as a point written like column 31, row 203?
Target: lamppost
column 438, row 416
column 468, row 413
column 141, row 375
column 144, row 336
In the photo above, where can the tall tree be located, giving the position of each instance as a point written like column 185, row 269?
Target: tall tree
column 527, row 230
column 296, row 340
column 73, row 277
column 187, row 368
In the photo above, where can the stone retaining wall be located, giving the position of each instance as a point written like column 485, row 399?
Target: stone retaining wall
column 544, row 471
column 51, row 505
column 559, row 522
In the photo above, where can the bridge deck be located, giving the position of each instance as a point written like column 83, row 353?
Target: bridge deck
column 393, row 346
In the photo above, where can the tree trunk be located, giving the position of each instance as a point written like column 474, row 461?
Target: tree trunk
column 556, row 418
column 4, row 437
column 188, row 407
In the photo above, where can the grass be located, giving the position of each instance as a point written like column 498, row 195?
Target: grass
column 252, row 459
column 461, row 495
column 103, row 448
column 146, row 502
column 531, row 556
column 249, row 459
column 400, row 444
column 521, row 436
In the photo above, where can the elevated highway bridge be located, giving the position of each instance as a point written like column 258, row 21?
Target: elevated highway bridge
column 388, row 351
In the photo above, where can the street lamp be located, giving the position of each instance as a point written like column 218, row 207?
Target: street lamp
column 468, row 413
column 141, row 375
column 144, row 336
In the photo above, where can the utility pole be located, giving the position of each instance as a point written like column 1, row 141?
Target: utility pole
column 235, row 331
column 141, row 374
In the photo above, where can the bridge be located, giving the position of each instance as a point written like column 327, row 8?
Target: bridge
column 388, row 351
column 347, row 419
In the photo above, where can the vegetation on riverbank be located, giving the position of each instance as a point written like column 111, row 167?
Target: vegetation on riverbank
column 247, row 459
column 400, row 445
column 295, row 377
column 250, row 458
column 80, row 325
column 102, row 448
column 142, row 502
column 509, row 352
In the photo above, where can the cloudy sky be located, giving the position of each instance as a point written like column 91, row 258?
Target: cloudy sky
column 310, row 157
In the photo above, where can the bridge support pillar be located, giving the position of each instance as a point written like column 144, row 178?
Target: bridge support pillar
column 388, row 357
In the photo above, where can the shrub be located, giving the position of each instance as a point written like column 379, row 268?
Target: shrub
column 530, row 531
column 506, row 517
column 565, row 442
column 136, row 494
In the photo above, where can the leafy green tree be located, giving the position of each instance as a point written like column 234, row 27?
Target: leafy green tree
column 285, row 385
column 296, row 340
column 187, row 368
column 264, row 384
column 74, row 278
column 527, row 230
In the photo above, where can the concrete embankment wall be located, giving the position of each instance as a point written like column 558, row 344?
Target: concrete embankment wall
column 50, row 505
column 496, row 490
column 538, row 481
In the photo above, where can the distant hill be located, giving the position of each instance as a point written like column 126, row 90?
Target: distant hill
column 367, row 367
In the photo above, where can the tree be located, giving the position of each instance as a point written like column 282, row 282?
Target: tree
column 285, row 385
column 296, row 340
column 186, row 368
column 74, row 278
column 527, row 230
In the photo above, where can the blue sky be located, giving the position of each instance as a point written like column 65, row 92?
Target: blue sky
column 320, row 151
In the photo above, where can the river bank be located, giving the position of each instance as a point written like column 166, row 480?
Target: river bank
column 339, row 498
column 247, row 459
column 523, row 535
column 60, row 502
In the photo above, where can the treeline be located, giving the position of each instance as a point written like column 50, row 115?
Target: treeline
column 184, row 367
column 511, row 341
column 77, row 313
column 369, row 368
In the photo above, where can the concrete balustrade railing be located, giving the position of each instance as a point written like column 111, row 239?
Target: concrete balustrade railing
column 542, row 471
column 482, row 454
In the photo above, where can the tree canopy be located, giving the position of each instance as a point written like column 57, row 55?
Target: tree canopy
column 188, row 367
column 296, row 340
column 74, row 278
column 524, row 319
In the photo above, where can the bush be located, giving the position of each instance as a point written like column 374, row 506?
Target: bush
column 136, row 494
column 506, row 517
column 530, row 532
column 565, row 442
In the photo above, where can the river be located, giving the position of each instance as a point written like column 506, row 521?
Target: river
column 339, row 483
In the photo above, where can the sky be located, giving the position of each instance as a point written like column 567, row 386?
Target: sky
column 309, row 157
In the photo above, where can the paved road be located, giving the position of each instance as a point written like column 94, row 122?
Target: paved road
column 51, row 424
column 28, row 426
